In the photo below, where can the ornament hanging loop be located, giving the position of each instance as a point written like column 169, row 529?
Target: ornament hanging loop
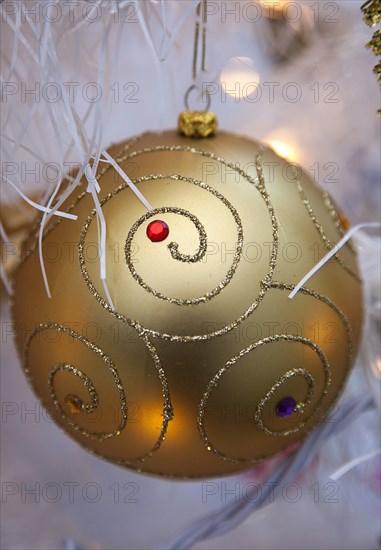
column 197, row 124
column 188, row 92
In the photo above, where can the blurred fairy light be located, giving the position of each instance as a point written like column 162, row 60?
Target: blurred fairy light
column 292, row 12
column 282, row 149
column 284, row 143
column 275, row 4
column 238, row 78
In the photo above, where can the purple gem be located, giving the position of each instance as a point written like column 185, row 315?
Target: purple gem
column 286, row 407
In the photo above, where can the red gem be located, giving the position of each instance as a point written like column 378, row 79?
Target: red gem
column 157, row 231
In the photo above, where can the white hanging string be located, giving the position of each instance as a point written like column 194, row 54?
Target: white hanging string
column 353, row 463
column 27, row 45
column 188, row 13
column 92, row 189
column 15, row 45
column 47, row 51
column 45, row 37
column 100, row 118
column 164, row 26
column 22, row 38
column 95, row 143
column 42, row 37
column 75, row 126
column 103, row 231
column 132, row 186
column 3, row 275
column 39, row 206
column 7, row 155
column 24, row 127
column 78, row 24
column 45, row 55
column 158, row 66
column 5, row 280
column 24, row 147
column 331, row 253
column 6, row 239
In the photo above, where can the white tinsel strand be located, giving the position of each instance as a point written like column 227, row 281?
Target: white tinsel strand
column 43, row 44
column 332, row 252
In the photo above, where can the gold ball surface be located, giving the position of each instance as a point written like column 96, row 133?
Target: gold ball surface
column 184, row 376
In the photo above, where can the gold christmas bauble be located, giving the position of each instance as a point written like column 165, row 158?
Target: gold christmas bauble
column 197, row 363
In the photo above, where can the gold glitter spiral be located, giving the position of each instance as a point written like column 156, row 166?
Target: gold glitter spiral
column 259, row 185
column 300, row 407
column 321, row 231
column 65, row 410
column 173, row 247
column 289, row 338
column 64, row 367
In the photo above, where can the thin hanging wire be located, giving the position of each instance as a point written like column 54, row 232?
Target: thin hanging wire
column 203, row 13
column 199, row 36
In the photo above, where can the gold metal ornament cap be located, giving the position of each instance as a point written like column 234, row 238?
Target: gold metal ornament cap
column 198, row 124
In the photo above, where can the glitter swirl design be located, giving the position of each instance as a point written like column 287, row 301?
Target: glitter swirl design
column 291, row 373
column 167, row 414
column 145, row 333
column 174, row 247
column 94, row 399
column 299, row 408
column 333, row 210
column 328, row 302
column 321, row 231
column 259, row 184
column 84, row 408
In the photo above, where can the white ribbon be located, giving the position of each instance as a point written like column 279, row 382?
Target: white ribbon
column 331, row 253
